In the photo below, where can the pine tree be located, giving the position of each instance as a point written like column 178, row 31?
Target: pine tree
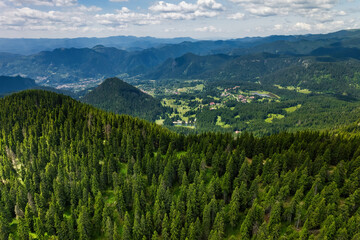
column 155, row 236
column 23, row 229
column 29, row 217
column 84, row 224
column 116, row 232
column 98, row 209
column 109, row 229
column 126, row 234
column 234, row 213
column 175, row 227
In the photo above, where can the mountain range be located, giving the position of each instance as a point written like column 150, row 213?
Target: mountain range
column 71, row 65
column 30, row 46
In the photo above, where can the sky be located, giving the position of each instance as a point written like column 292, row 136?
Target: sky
column 200, row 19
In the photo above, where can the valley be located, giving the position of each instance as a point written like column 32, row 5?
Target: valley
column 195, row 106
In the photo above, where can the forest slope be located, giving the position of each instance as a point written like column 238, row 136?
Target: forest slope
column 70, row 171
column 120, row 97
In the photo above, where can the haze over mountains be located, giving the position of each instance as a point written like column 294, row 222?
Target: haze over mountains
column 25, row 46
column 70, row 65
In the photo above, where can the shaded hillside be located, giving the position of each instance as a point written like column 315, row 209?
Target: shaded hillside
column 340, row 77
column 337, row 52
column 223, row 67
column 188, row 66
column 10, row 85
column 15, row 84
column 328, row 70
column 303, row 44
column 119, row 97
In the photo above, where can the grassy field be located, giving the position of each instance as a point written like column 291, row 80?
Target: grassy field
column 271, row 117
column 293, row 88
column 160, row 121
column 199, row 87
column 221, row 124
column 292, row 109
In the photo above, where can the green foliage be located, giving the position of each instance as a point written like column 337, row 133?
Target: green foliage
column 119, row 97
column 62, row 176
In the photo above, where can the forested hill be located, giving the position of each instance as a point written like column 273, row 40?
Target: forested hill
column 70, row 171
column 120, row 97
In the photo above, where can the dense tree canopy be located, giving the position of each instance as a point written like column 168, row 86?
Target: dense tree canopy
column 70, row 171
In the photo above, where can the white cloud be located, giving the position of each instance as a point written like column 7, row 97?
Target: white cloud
column 187, row 11
column 210, row 4
column 125, row 16
column 83, row 8
column 169, row 7
column 57, row 3
column 278, row 27
column 302, row 26
column 303, row 8
column 208, row 29
column 236, row 16
column 118, row 0
column 26, row 18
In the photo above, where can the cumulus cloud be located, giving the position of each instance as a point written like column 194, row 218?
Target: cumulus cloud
column 208, row 29
column 125, row 16
column 58, row 3
column 266, row 8
column 236, row 16
column 302, row 26
column 187, row 11
column 313, row 26
column 26, row 18
column 278, row 27
column 83, row 8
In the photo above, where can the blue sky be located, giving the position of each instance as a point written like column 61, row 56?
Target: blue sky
column 202, row 19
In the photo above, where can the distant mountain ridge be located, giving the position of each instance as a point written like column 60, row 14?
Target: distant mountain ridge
column 27, row 46
column 120, row 97
column 206, row 59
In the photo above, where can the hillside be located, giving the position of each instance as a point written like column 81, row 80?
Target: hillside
column 334, row 76
column 14, row 84
column 188, row 66
column 119, row 97
column 70, row 171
